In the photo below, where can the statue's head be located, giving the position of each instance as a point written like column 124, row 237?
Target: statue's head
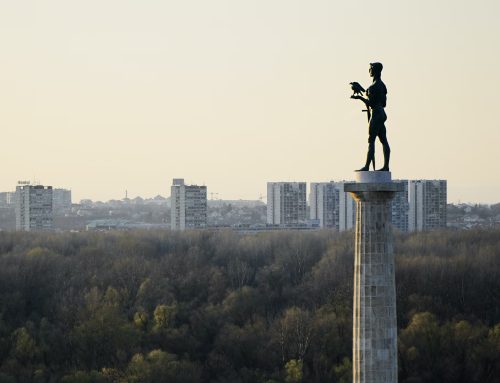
column 376, row 69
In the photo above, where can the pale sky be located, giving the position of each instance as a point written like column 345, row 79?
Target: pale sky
column 101, row 96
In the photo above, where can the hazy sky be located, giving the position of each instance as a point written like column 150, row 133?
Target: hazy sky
column 108, row 95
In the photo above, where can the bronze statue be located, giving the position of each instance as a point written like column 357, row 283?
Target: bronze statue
column 375, row 101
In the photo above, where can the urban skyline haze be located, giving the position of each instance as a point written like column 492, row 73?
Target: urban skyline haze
column 105, row 96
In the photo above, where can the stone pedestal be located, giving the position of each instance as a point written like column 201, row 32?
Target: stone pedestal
column 374, row 316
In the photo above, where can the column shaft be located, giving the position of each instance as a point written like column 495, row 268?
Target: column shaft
column 374, row 313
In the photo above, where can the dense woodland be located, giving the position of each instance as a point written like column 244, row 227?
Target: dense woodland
column 222, row 307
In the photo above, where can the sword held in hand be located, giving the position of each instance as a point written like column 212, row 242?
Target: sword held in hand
column 358, row 90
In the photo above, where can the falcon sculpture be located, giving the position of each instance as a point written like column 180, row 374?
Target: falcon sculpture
column 357, row 88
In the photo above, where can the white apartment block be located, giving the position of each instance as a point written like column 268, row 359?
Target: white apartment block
column 33, row 207
column 188, row 206
column 427, row 200
column 286, row 203
column 347, row 209
column 333, row 207
column 324, row 204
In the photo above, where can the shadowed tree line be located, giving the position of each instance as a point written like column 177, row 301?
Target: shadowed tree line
column 223, row 307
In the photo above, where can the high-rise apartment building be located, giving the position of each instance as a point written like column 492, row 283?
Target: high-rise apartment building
column 333, row 207
column 347, row 209
column 427, row 200
column 61, row 200
column 400, row 207
column 286, row 203
column 324, row 204
column 7, row 199
column 188, row 206
column 33, row 207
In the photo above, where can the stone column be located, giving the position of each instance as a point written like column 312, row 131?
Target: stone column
column 374, row 345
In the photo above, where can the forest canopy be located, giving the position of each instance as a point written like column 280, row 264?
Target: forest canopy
column 218, row 306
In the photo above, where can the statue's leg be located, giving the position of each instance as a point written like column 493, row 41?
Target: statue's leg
column 370, row 156
column 387, row 150
column 372, row 136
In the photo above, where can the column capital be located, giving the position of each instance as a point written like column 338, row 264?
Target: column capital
column 373, row 186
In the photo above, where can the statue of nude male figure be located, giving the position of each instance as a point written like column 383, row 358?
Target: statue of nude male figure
column 375, row 101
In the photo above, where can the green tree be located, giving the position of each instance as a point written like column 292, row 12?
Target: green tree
column 164, row 316
column 293, row 371
column 159, row 366
column 343, row 371
column 84, row 377
column 294, row 332
column 24, row 345
column 420, row 347
column 104, row 336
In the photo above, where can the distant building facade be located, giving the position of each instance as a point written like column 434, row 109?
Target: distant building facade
column 324, row 204
column 333, row 207
column 427, row 204
column 286, row 203
column 400, row 208
column 421, row 206
column 188, row 208
column 7, row 199
column 34, row 207
column 61, row 200
column 347, row 209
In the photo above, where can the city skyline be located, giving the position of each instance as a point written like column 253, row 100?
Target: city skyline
column 262, row 197
column 103, row 97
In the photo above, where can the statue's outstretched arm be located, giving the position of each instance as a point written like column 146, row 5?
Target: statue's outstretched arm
column 365, row 100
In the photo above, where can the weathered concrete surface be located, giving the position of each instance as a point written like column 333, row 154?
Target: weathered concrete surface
column 374, row 311
column 372, row 177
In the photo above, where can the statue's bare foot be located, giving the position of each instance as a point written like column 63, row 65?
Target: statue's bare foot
column 364, row 169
